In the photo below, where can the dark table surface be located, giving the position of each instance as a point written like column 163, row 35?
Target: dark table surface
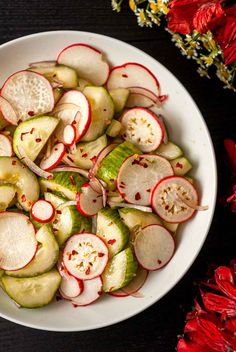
column 155, row 329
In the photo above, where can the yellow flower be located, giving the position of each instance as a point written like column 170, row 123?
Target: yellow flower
column 132, row 5
column 143, row 19
column 154, row 7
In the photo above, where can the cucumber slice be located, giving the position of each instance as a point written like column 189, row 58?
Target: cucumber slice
column 181, row 166
column 7, row 194
column 134, row 217
column 14, row 172
column 120, row 270
column 64, row 74
column 86, row 152
column 110, row 165
column 64, row 182
column 119, row 97
column 112, row 230
column 170, row 226
column 33, row 292
column 45, row 258
column 57, row 92
column 67, row 221
column 113, row 129
column 169, row 151
column 102, row 111
column 33, row 134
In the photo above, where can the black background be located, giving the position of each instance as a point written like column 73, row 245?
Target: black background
column 155, row 329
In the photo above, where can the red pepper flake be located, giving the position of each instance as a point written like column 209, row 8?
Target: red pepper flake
column 101, row 254
column 93, row 159
column 81, row 150
column 38, row 140
column 137, row 196
column 72, row 180
column 99, row 293
column 19, row 121
column 166, row 207
column 74, row 252
column 94, row 200
column 84, row 155
column 30, row 113
column 13, row 162
column 159, row 261
column 32, row 130
column 122, row 183
column 148, row 190
column 23, row 198
column 75, row 305
column 145, row 165
column 111, row 242
column 87, row 272
column 124, row 75
column 179, row 165
column 112, row 180
column 69, row 158
column 121, row 186
column 104, row 109
column 56, row 149
column 50, row 177
column 73, row 122
column 59, row 212
column 55, row 221
column 22, row 135
column 69, row 256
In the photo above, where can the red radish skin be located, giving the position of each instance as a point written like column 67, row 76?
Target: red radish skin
column 6, row 145
column 33, row 250
column 154, row 196
column 71, row 102
column 90, row 70
column 92, row 291
column 85, row 256
column 56, row 156
column 88, row 201
column 142, row 135
column 118, row 293
column 46, row 205
column 69, row 135
column 146, row 92
column 144, row 246
column 139, row 100
column 23, row 115
column 153, row 84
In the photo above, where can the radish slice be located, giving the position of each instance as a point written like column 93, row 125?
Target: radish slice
column 57, row 153
column 167, row 202
column 31, row 165
column 5, row 145
column 191, row 204
column 94, row 224
column 118, row 293
column 29, row 93
column 103, row 153
column 73, row 109
column 132, row 74
column 132, row 206
column 70, row 287
column 145, row 170
column 157, row 100
column 85, row 256
column 97, row 186
column 71, row 169
column 139, row 100
column 69, row 135
column 18, row 243
column 42, row 211
column 8, row 112
column 142, row 128
column 92, row 291
column 89, row 202
column 87, row 61
column 154, row 247
column 137, row 282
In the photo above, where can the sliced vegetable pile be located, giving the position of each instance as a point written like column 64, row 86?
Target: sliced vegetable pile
column 91, row 190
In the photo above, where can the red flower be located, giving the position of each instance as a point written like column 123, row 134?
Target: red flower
column 186, row 15
column 224, row 32
column 212, row 328
column 230, row 148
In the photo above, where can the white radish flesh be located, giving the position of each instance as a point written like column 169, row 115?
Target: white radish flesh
column 70, row 287
column 89, row 62
column 145, row 171
column 42, row 211
column 8, row 112
column 85, row 256
column 92, row 291
column 154, row 246
column 57, row 153
column 29, row 93
column 5, row 145
column 142, row 128
column 167, row 202
column 69, row 135
column 73, row 109
column 132, row 74
column 18, row 243
column 139, row 100
column 89, row 202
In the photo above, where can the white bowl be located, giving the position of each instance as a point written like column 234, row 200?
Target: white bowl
column 187, row 128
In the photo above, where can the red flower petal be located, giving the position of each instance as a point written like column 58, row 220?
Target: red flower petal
column 219, row 304
column 187, row 346
column 230, row 148
column 205, row 14
column 223, row 273
column 224, row 280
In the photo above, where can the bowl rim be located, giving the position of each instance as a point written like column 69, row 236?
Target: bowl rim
column 214, row 182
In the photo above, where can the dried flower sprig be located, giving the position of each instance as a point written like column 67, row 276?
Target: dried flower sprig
column 192, row 35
